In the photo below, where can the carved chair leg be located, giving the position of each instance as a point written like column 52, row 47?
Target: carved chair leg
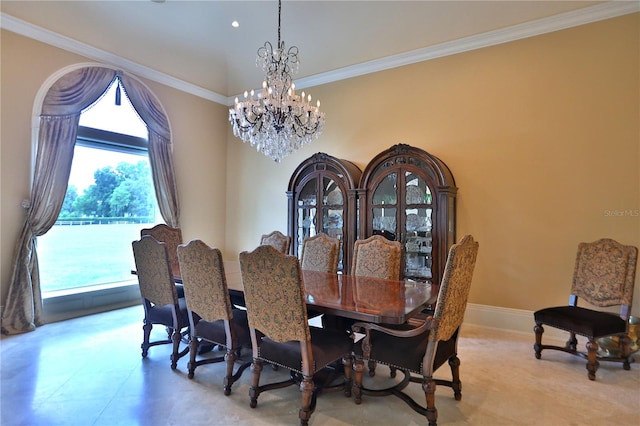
column 254, row 390
column 592, row 363
column 193, row 350
column 456, row 384
column 176, row 338
column 537, row 347
column 306, row 388
column 625, row 345
column 347, row 363
column 146, row 331
column 372, row 368
column 230, row 360
column 572, row 343
column 429, row 388
column 358, row 368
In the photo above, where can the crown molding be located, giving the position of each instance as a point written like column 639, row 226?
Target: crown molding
column 43, row 35
column 492, row 38
column 607, row 10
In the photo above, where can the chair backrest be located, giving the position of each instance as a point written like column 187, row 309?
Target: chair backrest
column 278, row 240
column 454, row 288
column 377, row 257
column 205, row 284
column 172, row 237
column 274, row 294
column 320, row 253
column 604, row 273
column 154, row 274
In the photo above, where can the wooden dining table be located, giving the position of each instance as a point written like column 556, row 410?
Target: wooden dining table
column 366, row 299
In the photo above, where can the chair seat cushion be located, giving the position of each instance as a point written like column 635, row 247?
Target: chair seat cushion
column 163, row 314
column 406, row 353
column 582, row 321
column 215, row 331
column 327, row 346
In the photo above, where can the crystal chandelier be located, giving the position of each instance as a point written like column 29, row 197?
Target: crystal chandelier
column 276, row 120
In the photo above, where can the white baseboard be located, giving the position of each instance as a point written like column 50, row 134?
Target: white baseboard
column 507, row 319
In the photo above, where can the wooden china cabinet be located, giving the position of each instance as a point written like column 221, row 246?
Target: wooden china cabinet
column 322, row 197
column 409, row 195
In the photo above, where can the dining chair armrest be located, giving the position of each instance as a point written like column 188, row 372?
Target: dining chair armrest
column 429, row 323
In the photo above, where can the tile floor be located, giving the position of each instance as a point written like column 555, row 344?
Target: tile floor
column 88, row 371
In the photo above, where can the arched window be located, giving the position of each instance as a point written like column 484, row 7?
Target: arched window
column 58, row 121
column 109, row 197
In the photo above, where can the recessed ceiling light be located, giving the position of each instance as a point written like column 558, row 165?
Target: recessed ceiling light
column 235, row 24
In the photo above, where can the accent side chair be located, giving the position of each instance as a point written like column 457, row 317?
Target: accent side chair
column 604, row 276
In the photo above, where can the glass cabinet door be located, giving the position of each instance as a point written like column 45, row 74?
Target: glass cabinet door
column 417, row 238
column 333, row 212
column 322, row 198
column 409, row 196
column 307, row 210
column 402, row 211
column 384, row 207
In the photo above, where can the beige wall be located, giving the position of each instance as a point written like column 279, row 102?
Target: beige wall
column 542, row 136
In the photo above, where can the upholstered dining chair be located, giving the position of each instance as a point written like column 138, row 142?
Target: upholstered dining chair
column 280, row 333
column 377, row 257
column 159, row 296
column 212, row 318
column 419, row 347
column 320, row 253
column 604, row 276
column 278, row 240
column 172, row 237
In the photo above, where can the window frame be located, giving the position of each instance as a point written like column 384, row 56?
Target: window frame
column 104, row 139
column 78, row 301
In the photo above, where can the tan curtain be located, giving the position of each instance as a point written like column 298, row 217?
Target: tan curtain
column 160, row 151
column 61, row 110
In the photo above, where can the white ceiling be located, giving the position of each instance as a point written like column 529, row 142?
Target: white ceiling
column 194, row 42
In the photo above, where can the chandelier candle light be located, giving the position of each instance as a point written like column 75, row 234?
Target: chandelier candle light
column 276, row 120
